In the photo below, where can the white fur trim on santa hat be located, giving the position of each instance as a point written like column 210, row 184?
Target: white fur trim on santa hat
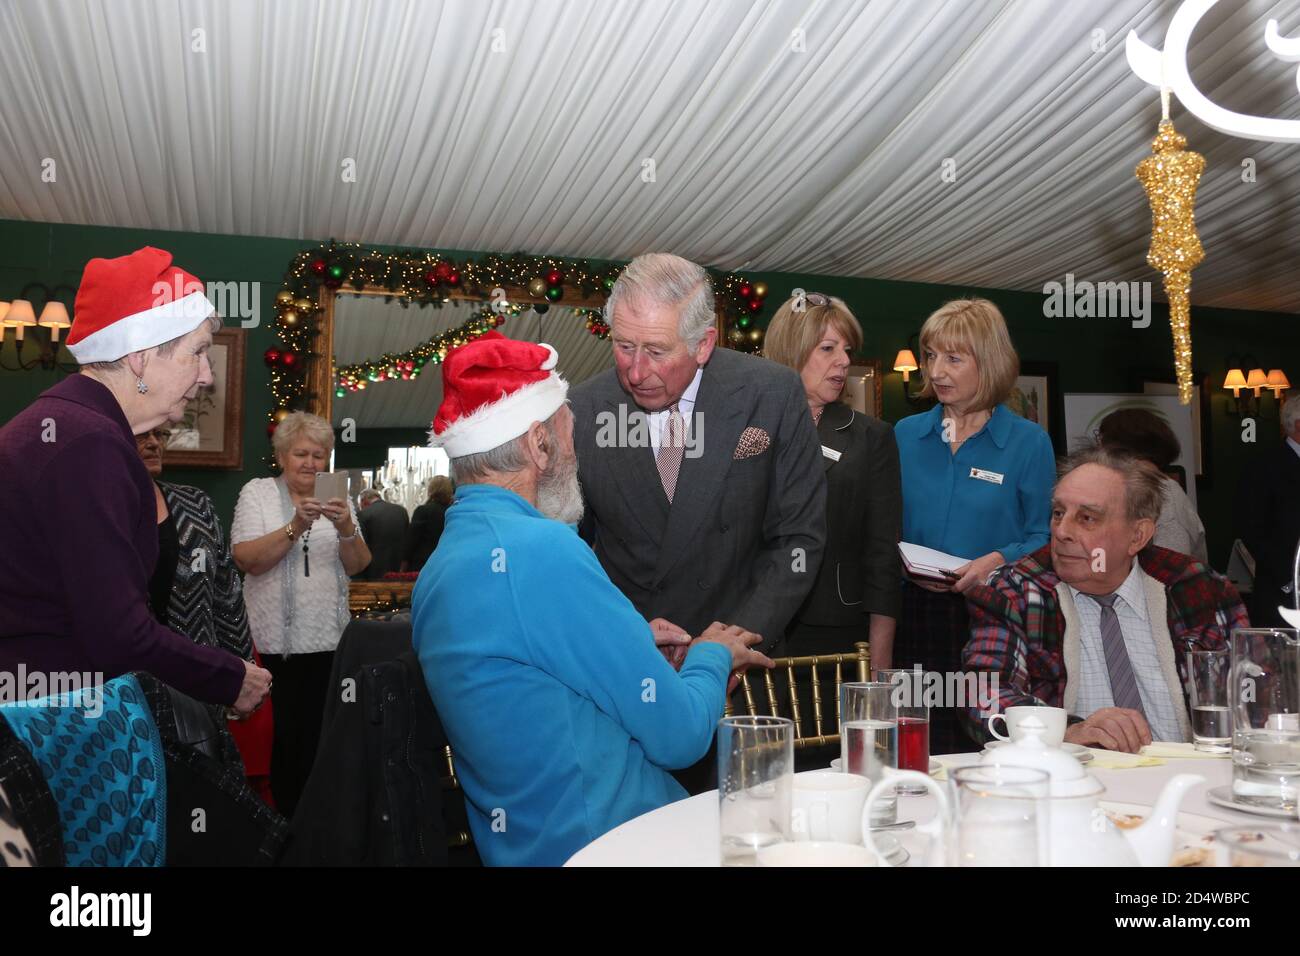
column 144, row 330
column 489, row 426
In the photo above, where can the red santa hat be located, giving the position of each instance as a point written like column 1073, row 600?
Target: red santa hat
column 133, row 303
column 494, row 388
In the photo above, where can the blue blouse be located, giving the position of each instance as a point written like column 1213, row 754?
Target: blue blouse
column 994, row 494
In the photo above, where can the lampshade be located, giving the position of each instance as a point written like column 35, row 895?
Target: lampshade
column 905, row 362
column 54, row 317
column 4, row 310
column 1235, row 381
column 1277, row 381
column 1256, row 379
column 20, row 313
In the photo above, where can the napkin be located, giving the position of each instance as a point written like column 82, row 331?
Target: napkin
column 1175, row 750
column 1115, row 760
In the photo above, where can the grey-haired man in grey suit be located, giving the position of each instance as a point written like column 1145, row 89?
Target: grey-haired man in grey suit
column 701, row 469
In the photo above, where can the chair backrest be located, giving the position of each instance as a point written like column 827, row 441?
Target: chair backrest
column 783, row 691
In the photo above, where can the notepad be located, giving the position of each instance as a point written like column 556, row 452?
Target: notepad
column 922, row 562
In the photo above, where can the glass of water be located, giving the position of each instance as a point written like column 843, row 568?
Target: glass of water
column 755, row 779
column 869, row 738
column 1269, row 845
column 1207, row 678
column 1265, row 684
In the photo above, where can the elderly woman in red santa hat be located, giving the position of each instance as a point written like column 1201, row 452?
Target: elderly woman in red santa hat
column 78, row 526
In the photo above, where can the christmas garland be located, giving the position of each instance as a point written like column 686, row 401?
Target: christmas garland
column 427, row 278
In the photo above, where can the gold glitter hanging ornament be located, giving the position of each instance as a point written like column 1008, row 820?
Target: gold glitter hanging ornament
column 1170, row 176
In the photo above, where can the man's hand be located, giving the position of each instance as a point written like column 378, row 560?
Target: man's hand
column 257, row 684
column 672, row 641
column 977, row 572
column 1112, row 728
column 740, row 642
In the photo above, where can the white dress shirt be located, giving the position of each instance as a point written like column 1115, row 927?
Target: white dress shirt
column 1094, row 685
column 685, row 405
column 1295, row 445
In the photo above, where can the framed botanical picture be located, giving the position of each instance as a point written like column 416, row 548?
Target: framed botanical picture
column 1037, row 397
column 864, row 387
column 211, row 433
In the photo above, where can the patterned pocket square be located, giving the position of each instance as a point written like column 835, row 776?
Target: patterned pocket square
column 753, row 441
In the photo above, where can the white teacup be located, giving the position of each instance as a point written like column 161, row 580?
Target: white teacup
column 816, row 854
column 826, row 806
column 1053, row 719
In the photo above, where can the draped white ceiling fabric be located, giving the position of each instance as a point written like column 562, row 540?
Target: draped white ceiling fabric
column 367, row 327
column 528, row 125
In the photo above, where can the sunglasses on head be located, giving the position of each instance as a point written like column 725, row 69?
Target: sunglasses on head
column 816, row 298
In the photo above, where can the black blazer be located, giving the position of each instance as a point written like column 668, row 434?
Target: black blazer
column 743, row 538
column 861, row 573
column 383, row 526
column 1268, row 515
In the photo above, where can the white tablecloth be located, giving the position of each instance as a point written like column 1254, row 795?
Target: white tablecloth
column 685, row 833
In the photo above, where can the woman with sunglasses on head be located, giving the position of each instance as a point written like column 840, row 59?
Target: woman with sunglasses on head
column 977, row 484
column 856, row 594
column 196, row 590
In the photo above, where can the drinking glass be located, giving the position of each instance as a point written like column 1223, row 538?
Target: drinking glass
column 1270, row 845
column 1265, row 680
column 755, row 772
column 869, row 737
column 913, row 722
column 1207, row 678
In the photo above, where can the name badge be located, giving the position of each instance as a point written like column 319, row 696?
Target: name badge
column 983, row 475
column 831, row 453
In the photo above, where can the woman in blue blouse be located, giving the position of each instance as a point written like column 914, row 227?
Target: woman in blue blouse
column 977, row 484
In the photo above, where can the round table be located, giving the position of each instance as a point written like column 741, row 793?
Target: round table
column 685, row 833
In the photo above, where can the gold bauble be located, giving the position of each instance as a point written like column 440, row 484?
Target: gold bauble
column 760, row 289
column 1170, row 176
column 756, row 336
column 537, row 288
column 289, row 317
column 280, row 415
column 284, row 297
column 304, row 306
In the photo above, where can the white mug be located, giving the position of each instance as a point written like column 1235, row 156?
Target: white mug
column 815, row 854
column 1052, row 717
column 827, row 806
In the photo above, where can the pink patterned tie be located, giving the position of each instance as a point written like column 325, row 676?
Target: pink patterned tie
column 671, row 446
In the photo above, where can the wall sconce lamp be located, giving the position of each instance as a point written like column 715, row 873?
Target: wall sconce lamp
column 905, row 362
column 1256, row 380
column 20, row 315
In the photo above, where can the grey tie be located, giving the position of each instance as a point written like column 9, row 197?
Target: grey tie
column 1123, row 682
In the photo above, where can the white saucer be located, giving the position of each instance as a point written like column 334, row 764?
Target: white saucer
column 1223, row 797
column 1077, row 751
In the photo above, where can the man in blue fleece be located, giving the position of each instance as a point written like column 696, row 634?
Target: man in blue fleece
column 563, row 716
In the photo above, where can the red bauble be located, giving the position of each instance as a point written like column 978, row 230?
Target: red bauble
column 442, row 271
column 453, row 277
column 554, row 277
column 755, row 305
column 332, row 283
column 270, row 429
column 271, row 356
column 318, row 266
column 431, row 277
column 289, row 360
column 745, row 290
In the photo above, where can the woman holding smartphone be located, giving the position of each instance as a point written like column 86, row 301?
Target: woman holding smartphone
column 297, row 553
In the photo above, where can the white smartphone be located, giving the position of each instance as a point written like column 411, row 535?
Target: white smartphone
column 331, row 484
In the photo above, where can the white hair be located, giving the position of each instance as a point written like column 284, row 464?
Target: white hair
column 663, row 279
column 1291, row 414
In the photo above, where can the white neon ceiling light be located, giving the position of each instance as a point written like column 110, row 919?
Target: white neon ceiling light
column 1168, row 69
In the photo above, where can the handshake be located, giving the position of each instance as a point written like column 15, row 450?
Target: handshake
column 673, row 643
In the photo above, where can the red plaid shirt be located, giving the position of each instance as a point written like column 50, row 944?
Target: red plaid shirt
column 1018, row 628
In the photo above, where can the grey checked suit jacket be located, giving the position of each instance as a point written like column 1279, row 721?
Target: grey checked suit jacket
column 742, row 541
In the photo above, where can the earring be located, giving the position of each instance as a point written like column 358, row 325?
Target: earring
column 140, row 386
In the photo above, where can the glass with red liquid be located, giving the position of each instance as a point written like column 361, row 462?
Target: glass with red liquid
column 913, row 722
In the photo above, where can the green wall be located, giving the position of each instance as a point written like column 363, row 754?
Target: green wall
column 1094, row 355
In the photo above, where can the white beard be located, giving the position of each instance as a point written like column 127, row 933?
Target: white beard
column 559, row 496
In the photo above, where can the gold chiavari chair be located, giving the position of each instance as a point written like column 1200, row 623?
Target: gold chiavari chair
column 781, row 682
column 450, row 784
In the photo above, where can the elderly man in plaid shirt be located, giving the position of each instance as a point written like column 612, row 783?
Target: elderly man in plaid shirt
column 1097, row 621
